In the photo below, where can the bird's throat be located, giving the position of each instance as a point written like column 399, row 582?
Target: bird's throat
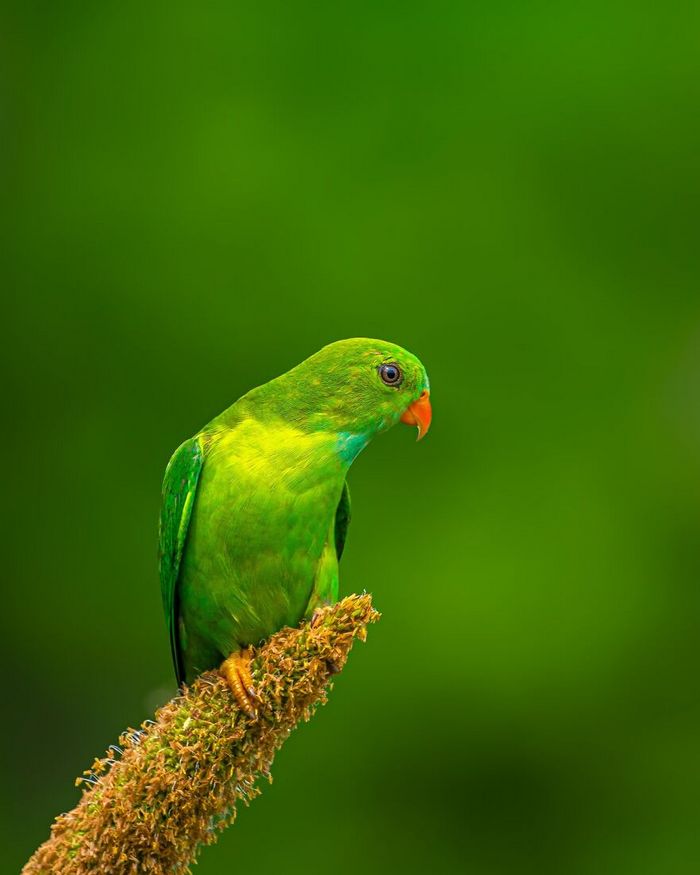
column 350, row 446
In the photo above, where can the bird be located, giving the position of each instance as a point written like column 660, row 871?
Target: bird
column 256, row 507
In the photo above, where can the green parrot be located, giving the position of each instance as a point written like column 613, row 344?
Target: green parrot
column 256, row 506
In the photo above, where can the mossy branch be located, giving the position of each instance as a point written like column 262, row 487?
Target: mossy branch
column 175, row 783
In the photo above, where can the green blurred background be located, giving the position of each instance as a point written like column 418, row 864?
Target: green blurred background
column 197, row 196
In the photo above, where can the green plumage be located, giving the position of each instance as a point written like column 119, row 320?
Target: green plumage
column 179, row 489
column 256, row 506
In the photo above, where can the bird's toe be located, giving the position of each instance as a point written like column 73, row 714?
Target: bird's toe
column 236, row 672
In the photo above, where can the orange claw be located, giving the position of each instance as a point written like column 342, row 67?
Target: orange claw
column 236, row 672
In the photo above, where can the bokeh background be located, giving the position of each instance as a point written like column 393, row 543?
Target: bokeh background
column 194, row 197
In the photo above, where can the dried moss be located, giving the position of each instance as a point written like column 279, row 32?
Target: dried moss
column 172, row 785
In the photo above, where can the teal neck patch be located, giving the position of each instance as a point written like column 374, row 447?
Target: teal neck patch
column 350, row 445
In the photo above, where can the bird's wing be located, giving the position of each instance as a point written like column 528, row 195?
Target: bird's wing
column 342, row 520
column 179, row 491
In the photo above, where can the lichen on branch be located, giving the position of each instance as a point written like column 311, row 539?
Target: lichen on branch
column 173, row 784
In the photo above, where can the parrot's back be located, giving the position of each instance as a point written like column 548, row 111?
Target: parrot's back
column 261, row 534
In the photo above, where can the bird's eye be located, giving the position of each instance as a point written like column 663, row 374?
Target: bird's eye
column 391, row 374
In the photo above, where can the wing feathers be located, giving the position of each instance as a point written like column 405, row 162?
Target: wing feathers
column 179, row 492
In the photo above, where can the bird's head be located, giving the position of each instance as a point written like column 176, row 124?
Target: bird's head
column 360, row 387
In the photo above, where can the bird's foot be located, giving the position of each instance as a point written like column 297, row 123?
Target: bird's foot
column 236, row 672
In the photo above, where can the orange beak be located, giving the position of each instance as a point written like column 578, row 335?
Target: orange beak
column 419, row 414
